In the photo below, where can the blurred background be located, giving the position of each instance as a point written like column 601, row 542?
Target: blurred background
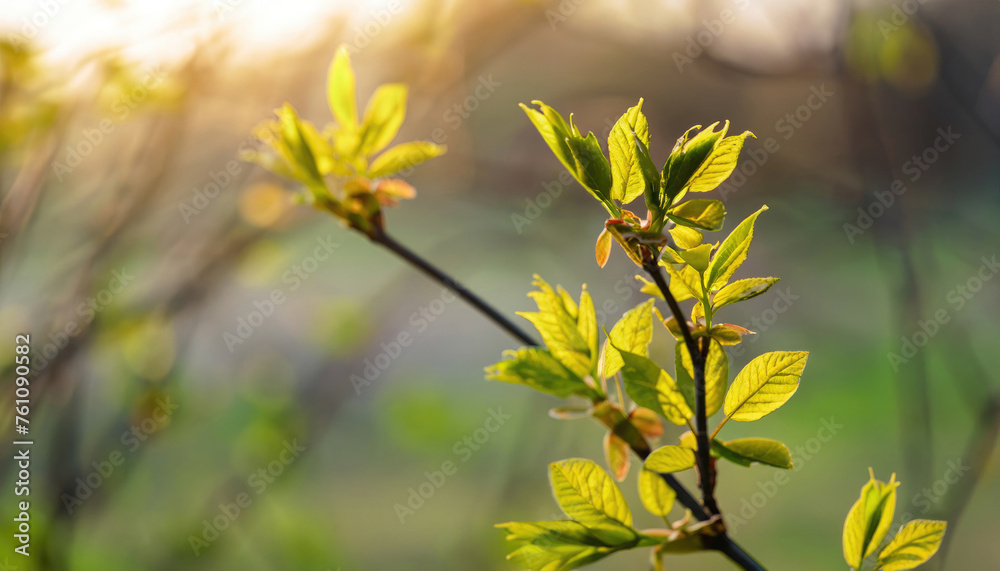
column 182, row 422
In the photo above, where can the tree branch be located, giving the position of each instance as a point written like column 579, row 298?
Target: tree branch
column 722, row 543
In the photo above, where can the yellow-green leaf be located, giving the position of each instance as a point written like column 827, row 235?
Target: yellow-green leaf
column 741, row 290
column 685, row 283
column 340, row 90
column 686, row 237
column 869, row 519
column 670, row 458
column 699, row 213
column 914, row 544
column 627, row 179
column 632, row 333
column 697, row 258
column 719, row 164
column 586, row 321
column 732, row 252
column 687, row 156
column 761, row 450
column 538, row 369
column 651, row 387
column 404, row 156
column 383, row 117
column 656, row 495
column 588, row 495
column 766, row 383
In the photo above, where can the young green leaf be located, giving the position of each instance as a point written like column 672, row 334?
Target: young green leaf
column 588, row 495
column 649, row 288
column 340, row 89
column 383, row 116
column 869, row 519
column 651, row 387
column 655, row 201
column 685, row 283
column 914, row 544
column 685, row 237
column 687, row 156
column 591, row 164
column 731, row 253
column 716, row 375
column 657, row 497
column 766, row 383
column 538, row 369
column 586, row 321
column 761, row 450
column 404, row 156
column 628, row 182
column 670, row 458
column 699, row 213
column 697, row 258
column 559, row 329
column 632, row 333
column 719, row 164
column 554, row 545
column 741, row 290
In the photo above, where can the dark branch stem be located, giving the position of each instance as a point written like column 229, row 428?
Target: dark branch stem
column 699, row 355
column 723, row 543
column 450, row 283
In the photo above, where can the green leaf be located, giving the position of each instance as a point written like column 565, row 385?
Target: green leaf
column 698, row 258
column 685, row 283
column 685, row 237
column 538, row 369
column 592, row 166
column 741, row 290
column 553, row 545
column 628, row 182
column 716, row 375
column 761, row 450
column 404, row 156
column 766, row 383
column 588, row 495
column 914, row 544
column 296, row 150
column 670, row 459
column 719, row 164
column 383, row 116
column 656, row 495
column 559, row 329
column 699, row 213
column 586, row 320
column 651, row 387
column 732, row 252
column 649, row 288
column 869, row 519
column 729, row 334
column 687, row 157
column 632, row 333
column 340, row 89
